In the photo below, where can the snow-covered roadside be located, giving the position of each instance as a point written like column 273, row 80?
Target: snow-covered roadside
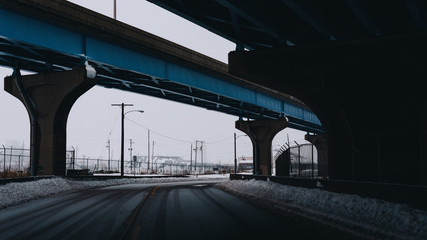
column 16, row 193
column 390, row 220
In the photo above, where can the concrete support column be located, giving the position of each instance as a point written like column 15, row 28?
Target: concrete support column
column 48, row 98
column 261, row 133
column 321, row 144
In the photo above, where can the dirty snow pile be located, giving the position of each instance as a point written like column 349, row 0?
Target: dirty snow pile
column 372, row 216
column 15, row 193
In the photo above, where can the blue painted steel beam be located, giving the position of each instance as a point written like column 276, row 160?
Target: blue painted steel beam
column 32, row 43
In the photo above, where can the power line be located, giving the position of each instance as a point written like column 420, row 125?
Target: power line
column 219, row 141
column 247, row 144
column 109, row 134
column 178, row 140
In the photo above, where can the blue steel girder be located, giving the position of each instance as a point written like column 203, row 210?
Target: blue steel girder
column 38, row 46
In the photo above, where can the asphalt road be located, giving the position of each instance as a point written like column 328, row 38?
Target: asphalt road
column 190, row 210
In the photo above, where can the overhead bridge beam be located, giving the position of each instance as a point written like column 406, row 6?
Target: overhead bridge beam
column 57, row 35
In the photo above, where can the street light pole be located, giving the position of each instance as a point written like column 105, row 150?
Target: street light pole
column 235, row 157
column 122, row 159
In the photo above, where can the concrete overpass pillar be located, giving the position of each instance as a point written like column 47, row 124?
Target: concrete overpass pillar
column 261, row 133
column 48, row 98
column 321, row 143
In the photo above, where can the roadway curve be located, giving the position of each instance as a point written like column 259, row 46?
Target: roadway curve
column 190, row 210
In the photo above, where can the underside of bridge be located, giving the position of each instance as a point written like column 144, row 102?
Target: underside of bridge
column 369, row 97
column 359, row 65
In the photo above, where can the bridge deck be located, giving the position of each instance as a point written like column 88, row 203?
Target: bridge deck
column 58, row 35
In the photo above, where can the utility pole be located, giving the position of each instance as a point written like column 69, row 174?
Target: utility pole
column 235, row 157
column 148, row 152
column 109, row 153
column 4, row 158
column 122, row 156
column 191, row 157
column 195, row 158
column 130, row 155
column 152, row 156
column 201, row 151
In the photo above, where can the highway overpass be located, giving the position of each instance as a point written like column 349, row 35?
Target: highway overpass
column 359, row 65
column 58, row 40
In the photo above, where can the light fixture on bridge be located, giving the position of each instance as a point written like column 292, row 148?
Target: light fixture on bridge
column 90, row 71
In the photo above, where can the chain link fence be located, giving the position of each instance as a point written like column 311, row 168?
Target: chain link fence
column 15, row 162
column 299, row 160
column 164, row 165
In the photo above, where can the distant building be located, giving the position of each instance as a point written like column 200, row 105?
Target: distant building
column 245, row 164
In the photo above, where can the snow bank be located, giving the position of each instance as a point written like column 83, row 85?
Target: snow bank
column 15, row 193
column 396, row 221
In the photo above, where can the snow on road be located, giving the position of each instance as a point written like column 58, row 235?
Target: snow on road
column 395, row 221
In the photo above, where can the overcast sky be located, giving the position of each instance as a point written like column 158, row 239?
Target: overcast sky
column 174, row 126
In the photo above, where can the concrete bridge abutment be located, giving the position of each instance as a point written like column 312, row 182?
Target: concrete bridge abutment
column 261, row 133
column 48, row 98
